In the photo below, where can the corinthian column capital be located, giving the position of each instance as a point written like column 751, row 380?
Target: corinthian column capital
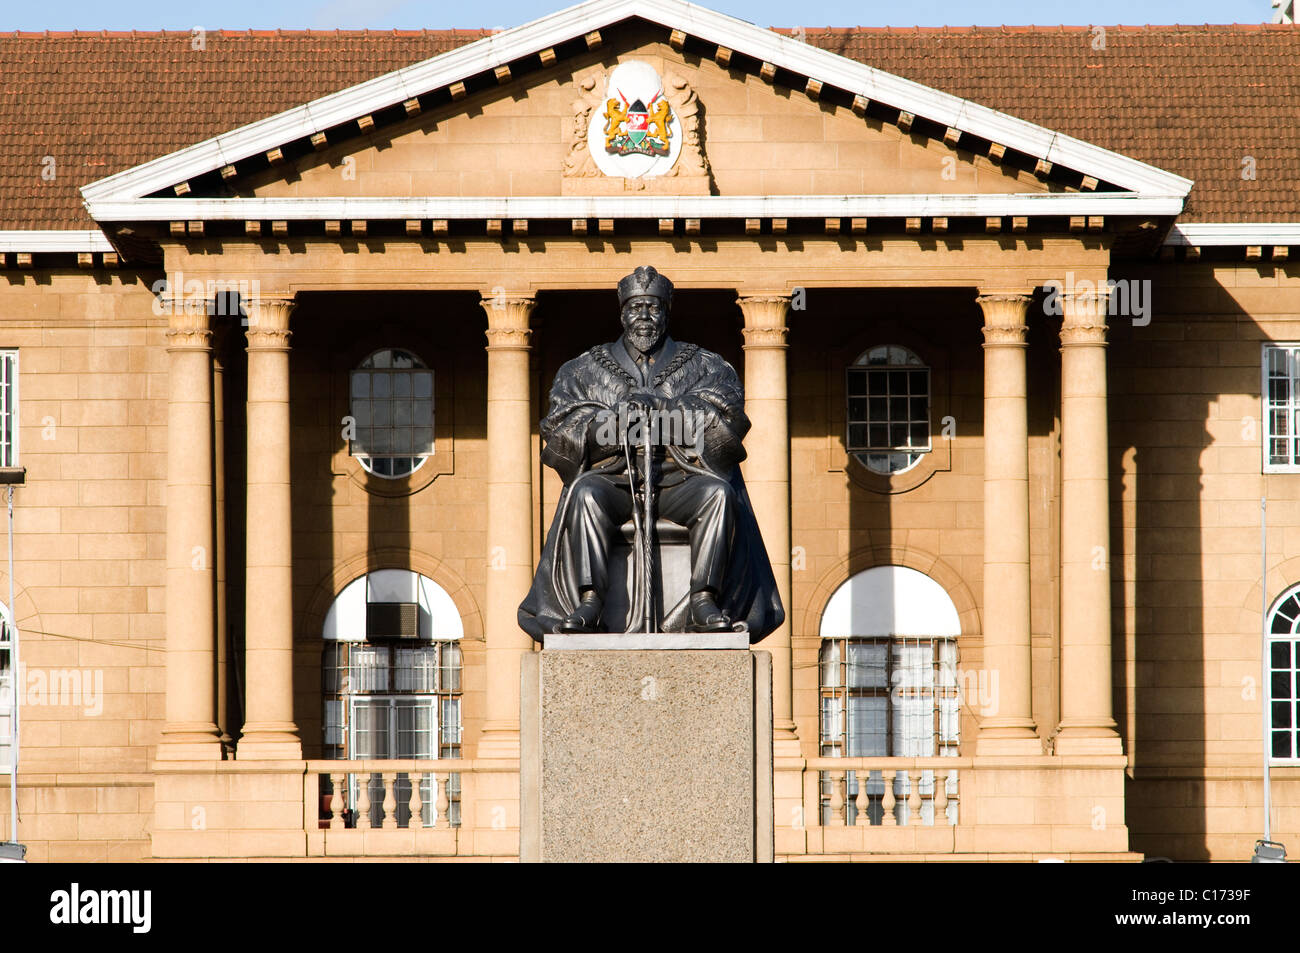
column 1004, row 318
column 188, row 330
column 1084, row 319
column 508, row 317
column 765, row 320
column 268, row 321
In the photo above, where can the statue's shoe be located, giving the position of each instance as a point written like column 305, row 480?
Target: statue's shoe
column 584, row 618
column 706, row 616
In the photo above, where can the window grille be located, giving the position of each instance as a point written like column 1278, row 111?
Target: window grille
column 8, row 693
column 387, row 702
column 1284, row 678
column 888, row 697
column 8, row 408
column 391, row 402
column 888, row 414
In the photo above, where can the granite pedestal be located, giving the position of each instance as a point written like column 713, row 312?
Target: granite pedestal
column 646, row 749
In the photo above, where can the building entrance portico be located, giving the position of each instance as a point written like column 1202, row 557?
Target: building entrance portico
column 486, row 401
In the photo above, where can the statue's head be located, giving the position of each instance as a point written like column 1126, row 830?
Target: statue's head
column 645, row 297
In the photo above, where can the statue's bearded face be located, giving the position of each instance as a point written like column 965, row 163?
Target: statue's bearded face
column 645, row 319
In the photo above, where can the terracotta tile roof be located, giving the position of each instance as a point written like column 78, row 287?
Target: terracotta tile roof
column 1193, row 100
column 103, row 102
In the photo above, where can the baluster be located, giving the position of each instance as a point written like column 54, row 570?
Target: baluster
column 443, row 805
column 862, row 802
column 336, row 801
column 940, row 798
column 837, row 798
column 887, row 803
column 390, row 800
column 914, row 797
column 415, row 803
column 363, row 802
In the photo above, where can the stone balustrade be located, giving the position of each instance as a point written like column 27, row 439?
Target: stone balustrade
column 882, row 792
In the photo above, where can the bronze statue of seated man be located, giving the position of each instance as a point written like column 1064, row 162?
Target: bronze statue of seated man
column 683, row 406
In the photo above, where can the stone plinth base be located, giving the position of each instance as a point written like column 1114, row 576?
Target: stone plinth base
column 646, row 755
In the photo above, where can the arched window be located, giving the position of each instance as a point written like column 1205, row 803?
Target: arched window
column 888, row 413
column 1284, row 676
column 391, row 405
column 888, row 673
column 391, row 673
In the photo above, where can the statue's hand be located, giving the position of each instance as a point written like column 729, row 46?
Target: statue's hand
column 642, row 401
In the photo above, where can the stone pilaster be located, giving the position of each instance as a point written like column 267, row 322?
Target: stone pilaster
column 509, row 514
column 1087, row 725
column 1011, row 730
column 767, row 478
column 190, row 731
column 269, row 729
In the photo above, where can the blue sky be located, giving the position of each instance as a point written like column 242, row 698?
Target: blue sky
column 409, row 14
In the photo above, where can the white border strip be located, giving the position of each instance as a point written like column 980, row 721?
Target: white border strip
column 1209, row 234
column 622, row 207
column 49, row 240
column 492, row 51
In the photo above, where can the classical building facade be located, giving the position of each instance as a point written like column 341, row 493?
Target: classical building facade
column 278, row 318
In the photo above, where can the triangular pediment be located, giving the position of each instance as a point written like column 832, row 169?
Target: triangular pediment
column 799, row 130
column 535, row 137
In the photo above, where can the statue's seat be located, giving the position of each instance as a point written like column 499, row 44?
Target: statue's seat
column 666, row 531
column 672, row 577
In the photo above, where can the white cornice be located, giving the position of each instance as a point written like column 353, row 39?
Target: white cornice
column 638, row 206
column 33, row 240
column 738, row 35
column 1208, row 234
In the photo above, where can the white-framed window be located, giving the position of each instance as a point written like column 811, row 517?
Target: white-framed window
column 391, row 681
column 9, row 407
column 889, row 683
column 391, row 403
column 8, row 692
column 1284, row 677
column 1281, row 378
column 887, row 390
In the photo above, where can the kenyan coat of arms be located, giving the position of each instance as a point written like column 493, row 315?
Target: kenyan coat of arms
column 637, row 133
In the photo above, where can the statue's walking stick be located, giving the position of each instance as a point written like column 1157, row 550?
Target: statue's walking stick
column 647, row 543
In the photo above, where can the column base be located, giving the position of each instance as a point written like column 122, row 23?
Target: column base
column 1088, row 739
column 189, row 751
column 278, row 742
column 1008, row 740
column 189, row 741
column 785, row 741
column 499, row 743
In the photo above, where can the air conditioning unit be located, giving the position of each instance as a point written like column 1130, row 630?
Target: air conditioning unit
column 392, row 621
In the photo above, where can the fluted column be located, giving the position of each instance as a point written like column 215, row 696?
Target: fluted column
column 767, row 478
column 190, row 731
column 1087, row 725
column 1010, row 729
column 509, row 514
column 269, row 729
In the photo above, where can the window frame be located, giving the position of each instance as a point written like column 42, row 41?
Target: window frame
column 1266, row 413
column 9, row 688
column 1291, row 596
column 367, row 459
column 9, row 406
column 942, row 685
column 863, row 454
